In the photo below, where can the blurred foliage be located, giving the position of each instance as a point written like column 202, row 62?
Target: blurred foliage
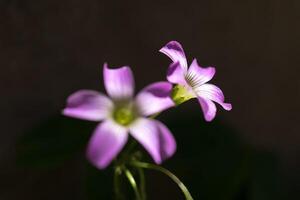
column 210, row 159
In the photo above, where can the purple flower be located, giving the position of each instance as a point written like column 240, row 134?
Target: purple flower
column 192, row 82
column 121, row 114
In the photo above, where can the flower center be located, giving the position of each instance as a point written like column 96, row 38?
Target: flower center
column 181, row 94
column 124, row 115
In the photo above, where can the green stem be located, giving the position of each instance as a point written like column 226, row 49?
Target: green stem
column 133, row 183
column 117, row 174
column 142, row 183
column 183, row 188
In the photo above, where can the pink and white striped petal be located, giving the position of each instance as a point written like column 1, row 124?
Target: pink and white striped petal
column 154, row 98
column 212, row 92
column 119, row 82
column 197, row 75
column 88, row 105
column 106, row 142
column 175, row 52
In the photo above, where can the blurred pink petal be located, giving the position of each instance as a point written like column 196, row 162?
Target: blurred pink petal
column 167, row 141
column 154, row 98
column 106, row 142
column 119, row 83
column 154, row 137
column 88, row 105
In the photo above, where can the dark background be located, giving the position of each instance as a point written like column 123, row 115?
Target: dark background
column 51, row 48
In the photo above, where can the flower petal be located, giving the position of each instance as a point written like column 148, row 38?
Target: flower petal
column 119, row 83
column 175, row 52
column 176, row 74
column 154, row 98
column 212, row 92
column 197, row 75
column 155, row 137
column 88, row 105
column 106, row 142
column 167, row 141
column 208, row 107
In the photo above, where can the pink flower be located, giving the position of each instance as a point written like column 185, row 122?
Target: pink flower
column 192, row 82
column 122, row 114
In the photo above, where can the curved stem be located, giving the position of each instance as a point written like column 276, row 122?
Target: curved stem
column 183, row 188
column 133, row 183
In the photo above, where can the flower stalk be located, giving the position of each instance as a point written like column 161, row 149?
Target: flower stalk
column 117, row 184
column 180, row 184
column 142, row 183
column 139, row 187
column 133, row 184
